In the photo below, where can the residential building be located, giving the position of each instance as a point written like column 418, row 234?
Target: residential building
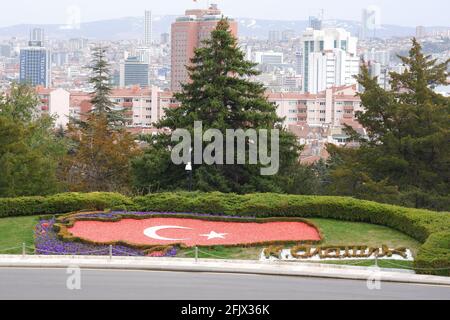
column 55, row 102
column 331, row 107
column 143, row 107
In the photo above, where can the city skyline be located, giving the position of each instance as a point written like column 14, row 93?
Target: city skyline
column 431, row 13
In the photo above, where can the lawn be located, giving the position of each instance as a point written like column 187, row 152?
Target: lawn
column 348, row 233
column 15, row 231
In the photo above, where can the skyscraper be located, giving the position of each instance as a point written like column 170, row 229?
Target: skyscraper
column 188, row 33
column 133, row 72
column 315, row 23
column 274, row 36
column 35, row 61
column 370, row 22
column 148, row 28
column 165, row 38
column 37, row 37
column 421, row 32
column 329, row 59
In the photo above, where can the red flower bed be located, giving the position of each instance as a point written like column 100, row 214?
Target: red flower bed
column 192, row 232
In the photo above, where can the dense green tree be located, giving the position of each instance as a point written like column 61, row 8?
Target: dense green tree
column 101, row 82
column 222, row 96
column 406, row 157
column 30, row 150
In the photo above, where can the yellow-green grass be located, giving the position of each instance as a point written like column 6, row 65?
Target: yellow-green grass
column 16, row 231
column 356, row 233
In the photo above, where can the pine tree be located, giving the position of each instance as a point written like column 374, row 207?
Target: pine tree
column 222, row 95
column 101, row 81
column 408, row 134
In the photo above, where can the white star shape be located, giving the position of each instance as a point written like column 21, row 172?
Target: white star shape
column 214, row 235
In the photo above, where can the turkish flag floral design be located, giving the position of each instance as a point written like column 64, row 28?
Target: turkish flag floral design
column 192, row 232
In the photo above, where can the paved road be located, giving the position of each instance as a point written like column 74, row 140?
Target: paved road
column 99, row 284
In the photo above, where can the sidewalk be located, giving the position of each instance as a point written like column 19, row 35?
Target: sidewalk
column 220, row 266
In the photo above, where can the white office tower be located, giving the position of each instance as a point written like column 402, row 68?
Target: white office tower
column 148, row 29
column 37, row 37
column 329, row 59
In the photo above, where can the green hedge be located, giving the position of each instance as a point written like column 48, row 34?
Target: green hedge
column 430, row 228
column 60, row 203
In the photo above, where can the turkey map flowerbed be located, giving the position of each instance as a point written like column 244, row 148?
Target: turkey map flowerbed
column 150, row 232
column 48, row 243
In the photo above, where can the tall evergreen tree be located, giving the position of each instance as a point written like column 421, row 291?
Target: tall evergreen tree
column 222, row 95
column 102, row 88
column 408, row 148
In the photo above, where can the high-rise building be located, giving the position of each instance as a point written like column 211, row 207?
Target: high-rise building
column 421, row 32
column 329, row 59
column 315, row 23
column 299, row 63
column 288, row 35
column 5, row 50
column 274, row 36
column 37, row 37
column 165, row 38
column 331, row 107
column 188, row 33
column 370, row 22
column 35, row 61
column 148, row 28
column 134, row 72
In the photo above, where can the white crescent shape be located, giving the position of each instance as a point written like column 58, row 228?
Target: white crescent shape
column 152, row 232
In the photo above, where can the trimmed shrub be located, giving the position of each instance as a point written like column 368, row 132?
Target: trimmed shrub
column 61, row 203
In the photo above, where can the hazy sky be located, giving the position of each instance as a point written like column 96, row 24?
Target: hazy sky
column 402, row 12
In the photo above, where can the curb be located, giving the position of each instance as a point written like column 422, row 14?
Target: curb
column 221, row 266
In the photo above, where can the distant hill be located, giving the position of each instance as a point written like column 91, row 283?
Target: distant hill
column 132, row 28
